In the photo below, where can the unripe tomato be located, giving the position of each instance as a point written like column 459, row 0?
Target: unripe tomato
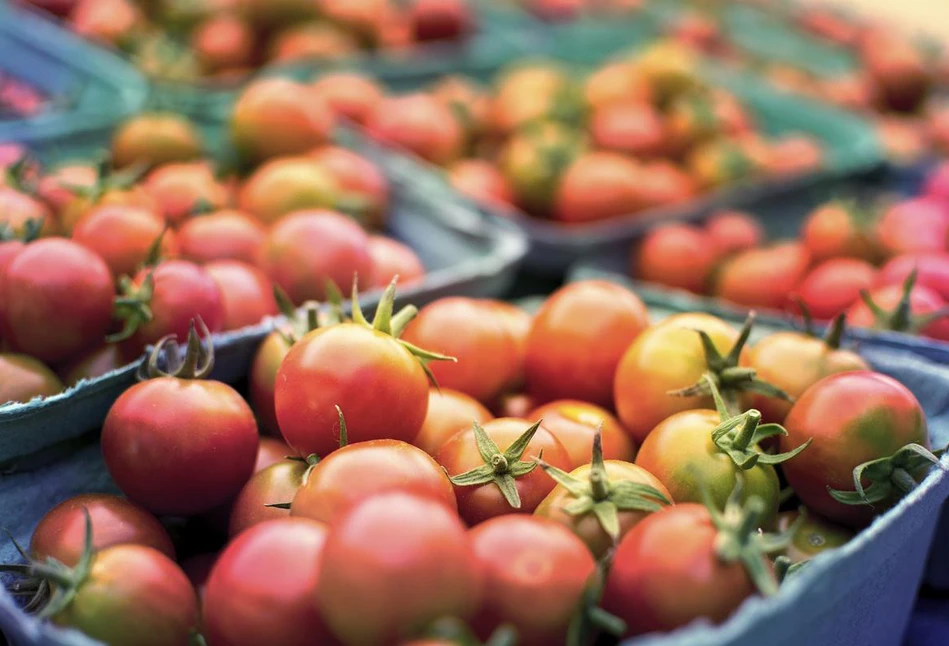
column 575, row 423
column 22, row 378
column 288, row 184
column 246, row 293
column 616, row 81
column 222, row 235
column 122, row 236
column 275, row 484
column 530, row 93
column 449, row 412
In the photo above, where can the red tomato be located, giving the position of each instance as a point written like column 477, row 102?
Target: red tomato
column 918, row 225
column 514, row 405
column 676, row 255
column 22, row 378
column 764, row 277
column 278, row 116
column 223, row 235
column 407, row 559
column 440, row 19
column 482, row 181
column 223, row 42
column 518, row 323
column 360, row 179
column 95, row 363
column 449, row 412
column 631, row 126
column 350, row 95
column 578, row 338
column 263, row 375
column 536, row 572
column 898, row 69
column 419, row 124
column 795, row 155
column 358, row 471
column 733, row 231
column 469, row 330
column 479, row 502
column 122, row 236
column 275, row 484
column 42, row 282
column 834, row 285
column 932, row 271
column 198, row 568
column 78, row 206
column 61, row 533
column 155, row 138
column 262, row 587
column 853, row 417
column 390, row 259
column 937, row 183
column 17, row 208
column 312, row 41
column 287, row 255
column 287, row 184
column 922, row 303
column 575, row 423
column 246, row 293
column 271, row 451
column 598, row 186
column 662, row 183
column 110, row 22
column 179, row 189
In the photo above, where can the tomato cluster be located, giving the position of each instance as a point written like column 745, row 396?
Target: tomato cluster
column 642, row 491
column 229, row 39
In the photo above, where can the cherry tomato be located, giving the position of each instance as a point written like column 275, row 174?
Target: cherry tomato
column 834, row 285
column 440, row 19
column 260, row 381
column 351, row 95
column 482, row 181
column 17, row 208
column 360, row 179
column 390, row 259
column 922, row 302
column 529, row 93
column 110, row 22
column 814, row 536
column 598, row 186
column 122, row 236
column 155, row 138
column 223, row 42
column 61, row 533
column 246, row 293
column 578, row 338
column 55, row 188
column 271, row 451
column 198, row 568
column 180, row 188
column 222, row 235
column 287, row 184
column 932, row 271
column 632, row 127
column 420, row 125
column 449, row 412
column 275, row 484
column 518, row 322
column 407, row 559
column 616, row 81
column 78, row 206
column 575, row 423
column 262, row 587
column 92, row 364
column 677, row 255
column 312, row 41
column 733, row 231
column 937, row 183
column 22, row 378
column 662, row 183
column 918, row 225
column 765, row 277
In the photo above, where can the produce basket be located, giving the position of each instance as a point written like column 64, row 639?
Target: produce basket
column 84, row 89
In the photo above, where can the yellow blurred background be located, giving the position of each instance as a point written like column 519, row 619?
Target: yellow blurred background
column 929, row 16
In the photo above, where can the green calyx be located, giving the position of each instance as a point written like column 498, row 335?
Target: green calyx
column 18, row 176
column 590, row 620
column 133, row 306
column 890, row 478
column 500, row 467
column 603, row 498
column 299, row 321
column 197, row 363
column 901, row 318
column 833, row 336
column 107, row 180
column 29, row 232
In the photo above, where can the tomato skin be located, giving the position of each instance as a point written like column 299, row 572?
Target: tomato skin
column 918, row 225
column 359, row 178
column 469, row 330
column 526, row 94
column 16, row 208
column 349, row 94
column 667, row 356
column 662, row 183
column 261, row 380
column 156, row 420
column 665, row 573
column 518, row 322
column 198, row 568
column 440, row 19
column 355, row 472
column 813, row 536
column 922, row 301
column 246, row 293
column 575, row 424
column 481, row 502
column 262, row 587
column 122, row 236
column 270, row 451
column 155, row 138
column 61, row 533
column 481, row 180
column 853, row 417
column 449, row 412
column 223, row 42
column 180, row 188
column 22, row 378
column 536, row 571
column 616, row 81
column 419, row 124
column 287, row 184
column 380, row 387
column 95, row 363
column 277, row 483
column 315, row 41
column 632, row 127
column 578, row 338
column 222, row 235
column 763, row 277
column 394, row 563
column 834, row 285
column 676, row 255
column 598, row 186
column 932, row 271
column 391, row 258
column 42, row 281
column 587, row 527
column 794, row 155
column 78, row 206
column 733, row 231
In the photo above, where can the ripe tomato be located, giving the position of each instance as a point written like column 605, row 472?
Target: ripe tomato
column 198, row 568
column 631, row 126
column 246, row 293
column 61, row 533
column 261, row 379
column 44, row 280
column 365, row 18
column 271, row 451
column 360, row 179
column 537, row 572
column 616, row 81
column 578, row 338
column 275, row 484
column 285, row 185
column 518, row 322
column 277, row 116
column 92, row 364
column 313, row 41
column 677, row 255
column 918, row 225
column 533, row 162
column 434, row 572
column 440, row 19
column 262, row 587
column 662, row 183
column 358, row 471
column 510, row 466
column 222, row 235
column 481, row 180
column 17, row 208
column 391, row 259
column 469, row 330
column 78, row 206
column 223, row 42
column 22, row 378
column 763, row 277
column 733, row 231
column 111, row 22
column 853, row 417
column 449, row 412
column 55, row 188
column 794, row 155
column 419, row 124
column 122, row 236
column 834, row 285
column 932, row 271
column 575, row 423
column 598, row 186
column 288, row 259
column 179, row 189
column 922, row 306
column 350, row 95
column 155, row 138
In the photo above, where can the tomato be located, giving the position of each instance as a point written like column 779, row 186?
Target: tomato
column 198, row 568
column 155, row 138
column 22, row 378
column 391, row 259
column 469, row 330
column 898, row 70
column 178, row 444
column 358, row 471
column 17, row 208
column 276, row 116
column 598, row 186
column 765, row 277
column 360, row 179
column 179, row 189
column 288, row 259
column 287, row 184
column 261, row 379
column 932, row 271
column 676, row 255
column 440, row 19
column 246, row 293
column 44, row 280
column 223, row 42
column 937, row 183
column 482, row 181
column 518, row 322
column 350, row 95
column 669, row 68
column 275, row 484
column 222, row 235
column 514, row 405
column 365, row 18
column 112, row 22
column 795, row 155
column 312, row 41
column 616, row 81
column 575, row 423
column 449, row 412
column 467, row 100
column 60, row 534
column 834, row 285
column 578, row 337
column 853, row 417
column 92, row 364
column 271, row 451
column 122, row 236
column 904, row 139
column 662, row 183
column 262, row 587
column 918, row 225
column 665, row 357
column 105, row 194
column 530, row 93
column 536, row 571
column 534, row 161
column 695, row 119
column 407, row 559
column 850, row 91
column 511, row 466
column 733, row 231
column 420, row 125
column 813, row 536
column 922, row 314
column 721, row 161
column 55, row 188
column 631, row 126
